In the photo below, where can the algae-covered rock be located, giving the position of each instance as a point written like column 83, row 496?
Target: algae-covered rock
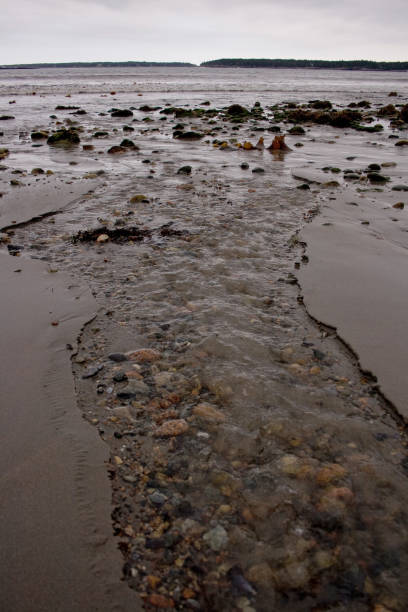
column 122, row 113
column 184, row 170
column 387, row 111
column 187, row 135
column 237, row 109
column 117, row 149
column 376, row 177
column 4, row 153
column 404, row 113
column 39, row 135
column 321, row 104
column 64, row 137
column 129, row 144
column 297, row 130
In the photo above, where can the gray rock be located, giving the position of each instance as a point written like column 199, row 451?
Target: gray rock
column 157, row 499
column 92, row 371
column 120, row 376
column 216, row 538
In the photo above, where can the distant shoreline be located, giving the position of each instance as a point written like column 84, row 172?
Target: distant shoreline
column 314, row 64
column 227, row 63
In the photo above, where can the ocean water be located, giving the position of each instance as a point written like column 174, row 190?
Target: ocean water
column 273, row 83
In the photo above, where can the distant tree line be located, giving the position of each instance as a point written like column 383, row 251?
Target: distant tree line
column 94, row 65
column 295, row 63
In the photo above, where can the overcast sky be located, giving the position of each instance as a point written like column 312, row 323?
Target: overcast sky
column 199, row 30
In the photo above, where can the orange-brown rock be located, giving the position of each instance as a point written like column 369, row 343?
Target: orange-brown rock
column 144, row 355
column 278, row 144
column 329, row 474
column 207, row 412
column 160, row 601
column 175, row 427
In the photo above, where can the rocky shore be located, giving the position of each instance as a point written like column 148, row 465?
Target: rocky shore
column 254, row 466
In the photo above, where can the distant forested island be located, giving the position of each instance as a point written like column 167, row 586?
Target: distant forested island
column 295, row 63
column 96, row 65
column 225, row 63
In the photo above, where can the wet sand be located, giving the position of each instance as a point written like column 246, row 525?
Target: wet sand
column 42, row 197
column 356, row 282
column 57, row 550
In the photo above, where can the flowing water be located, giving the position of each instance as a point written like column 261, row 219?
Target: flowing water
column 288, row 489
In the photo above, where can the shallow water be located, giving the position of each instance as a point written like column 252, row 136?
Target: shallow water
column 298, row 460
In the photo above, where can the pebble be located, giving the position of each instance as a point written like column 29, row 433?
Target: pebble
column 157, row 499
column 175, row 427
column 102, row 238
column 216, row 538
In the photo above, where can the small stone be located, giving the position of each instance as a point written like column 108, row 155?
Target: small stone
column 244, row 166
column 258, row 170
column 209, row 413
column 175, row 427
column 216, row 538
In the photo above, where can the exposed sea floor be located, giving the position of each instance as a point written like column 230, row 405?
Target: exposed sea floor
column 255, row 464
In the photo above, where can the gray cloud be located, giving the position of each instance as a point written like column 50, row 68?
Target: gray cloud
column 195, row 31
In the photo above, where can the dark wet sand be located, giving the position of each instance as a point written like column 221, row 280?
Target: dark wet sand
column 57, row 549
column 356, row 281
column 48, row 195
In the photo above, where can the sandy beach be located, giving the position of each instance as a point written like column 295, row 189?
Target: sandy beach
column 203, row 390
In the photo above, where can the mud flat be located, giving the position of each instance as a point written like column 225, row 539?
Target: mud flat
column 57, row 551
